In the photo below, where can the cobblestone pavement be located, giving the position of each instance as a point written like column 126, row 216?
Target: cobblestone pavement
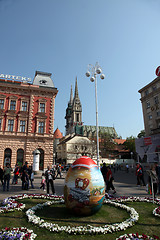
column 125, row 184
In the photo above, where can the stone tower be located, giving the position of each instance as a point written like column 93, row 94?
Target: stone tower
column 74, row 113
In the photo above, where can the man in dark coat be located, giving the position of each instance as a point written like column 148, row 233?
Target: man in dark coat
column 50, row 176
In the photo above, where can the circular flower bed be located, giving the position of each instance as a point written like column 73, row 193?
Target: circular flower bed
column 11, row 204
column 17, row 234
column 89, row 229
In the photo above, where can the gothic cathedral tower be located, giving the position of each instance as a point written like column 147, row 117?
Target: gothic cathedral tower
column 74, row 114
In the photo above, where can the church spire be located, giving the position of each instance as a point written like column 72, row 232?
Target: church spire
column 76, row 96
column 71, row 96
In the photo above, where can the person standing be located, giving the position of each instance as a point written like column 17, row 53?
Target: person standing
column 7, row 176
column 104, row 170
column 1, row 175
column 154, row 179
column 110, row 180
column 31, row 176
column 50, row 176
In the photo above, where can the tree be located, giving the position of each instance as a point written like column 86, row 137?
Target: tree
column 130, row 144
column 106, row 143
column 141, row 134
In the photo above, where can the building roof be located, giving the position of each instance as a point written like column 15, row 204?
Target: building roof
column 58, row 134
column 119, row 141
column 102, row 129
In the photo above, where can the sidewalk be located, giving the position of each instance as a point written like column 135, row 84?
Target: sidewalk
column 125, row 184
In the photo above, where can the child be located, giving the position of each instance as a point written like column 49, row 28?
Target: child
column 43, row 182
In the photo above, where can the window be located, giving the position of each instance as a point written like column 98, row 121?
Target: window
column 154, row 88
column 41, row 127
column 146, row 92
column 10, row 125
column 148, row 104
column 42, row 107
column 149, row 117
column 1, row 103
column 158, row 114
column 24, row 106
column 77, row 117
column 22, row 125
column 156, row 101
column 13, row 105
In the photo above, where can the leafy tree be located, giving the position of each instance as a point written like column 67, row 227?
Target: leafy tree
column 130, row 144
column 106, row 143
column 141, row 134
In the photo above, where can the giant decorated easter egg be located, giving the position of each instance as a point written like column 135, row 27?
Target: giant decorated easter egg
column 84, row 188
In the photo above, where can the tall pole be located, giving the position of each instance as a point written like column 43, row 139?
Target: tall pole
column 93, row 71
column 98, row 163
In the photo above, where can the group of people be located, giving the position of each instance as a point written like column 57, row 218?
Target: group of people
column 108, row 177
column 25, row 173
column 153, row 183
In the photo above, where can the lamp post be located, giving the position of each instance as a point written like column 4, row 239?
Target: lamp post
column 92, row 72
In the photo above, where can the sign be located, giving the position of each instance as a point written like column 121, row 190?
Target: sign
column 147, row 141
column 158, row 71
column 15, row 78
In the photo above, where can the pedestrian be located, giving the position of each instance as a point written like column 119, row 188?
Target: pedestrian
column 16, row 174
column 25, row 180
column 7, row 176
column 43, row 182
column 1, row 175
column 157, row 167
column 31, row 176
column 140, row 175
column 59, row 171
column 110, row 180
column 104, row 170
column 154, row 180
column 127, row 168
column 50, row 176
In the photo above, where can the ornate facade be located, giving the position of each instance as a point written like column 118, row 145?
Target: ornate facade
column 27, row 119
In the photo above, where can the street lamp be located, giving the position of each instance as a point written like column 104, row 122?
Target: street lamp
column 92, row 72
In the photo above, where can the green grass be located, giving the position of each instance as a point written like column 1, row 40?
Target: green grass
column 147, row 223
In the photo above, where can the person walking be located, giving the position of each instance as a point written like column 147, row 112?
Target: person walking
column 16, row 174
column 59, row 171
column 7, row 176
column 50, row 176
column 1, row 175
column 110, row 180
column 140, row 175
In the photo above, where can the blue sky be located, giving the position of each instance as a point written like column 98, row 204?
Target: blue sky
column 64, row 36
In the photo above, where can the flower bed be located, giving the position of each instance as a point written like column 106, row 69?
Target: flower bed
column 89, row 229
column 156, row 212
column 17, row 234
column 11, row 204
column 136, row 236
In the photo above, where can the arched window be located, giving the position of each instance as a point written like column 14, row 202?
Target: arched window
column 41, row 159
column 20, row 157
column 7, row 156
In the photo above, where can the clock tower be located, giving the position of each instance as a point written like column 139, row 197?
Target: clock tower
column 74, row 114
